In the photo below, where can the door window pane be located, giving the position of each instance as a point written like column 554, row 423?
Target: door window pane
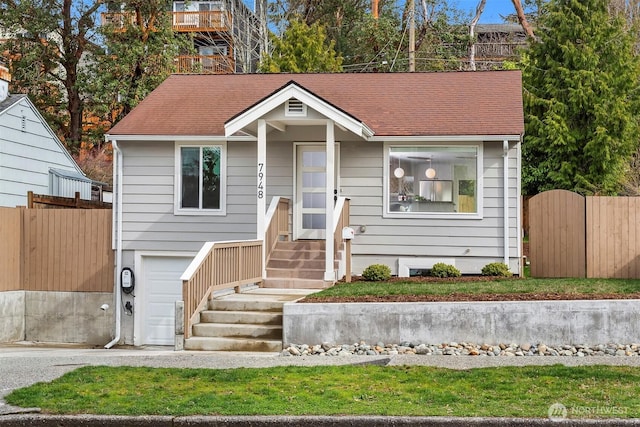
column 314, row 179
column 314, row 200
column 313, row 221
column 316, row 159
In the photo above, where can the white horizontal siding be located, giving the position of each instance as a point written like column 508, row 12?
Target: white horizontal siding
column 27, row 155
column 280, row 170
column 149, row 223
column 148, row 196
column 361, row 180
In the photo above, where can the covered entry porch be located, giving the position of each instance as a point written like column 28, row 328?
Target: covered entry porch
column 316, row 206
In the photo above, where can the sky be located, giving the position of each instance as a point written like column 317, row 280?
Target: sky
column 491, row 15
column 492, row 10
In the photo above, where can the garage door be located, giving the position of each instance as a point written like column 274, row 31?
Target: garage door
column 162, row 288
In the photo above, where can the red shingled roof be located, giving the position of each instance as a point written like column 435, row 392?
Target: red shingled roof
column 398, row 104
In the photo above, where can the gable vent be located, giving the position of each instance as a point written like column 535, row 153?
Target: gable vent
column 295, row 108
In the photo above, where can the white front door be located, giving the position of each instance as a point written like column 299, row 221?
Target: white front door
column 310, row 203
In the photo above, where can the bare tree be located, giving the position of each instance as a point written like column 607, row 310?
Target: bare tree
column 472, row 34
column 522, row 19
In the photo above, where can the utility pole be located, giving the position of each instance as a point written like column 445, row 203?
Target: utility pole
column 412, row 36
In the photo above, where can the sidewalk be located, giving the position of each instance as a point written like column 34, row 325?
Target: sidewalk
column 23, row 364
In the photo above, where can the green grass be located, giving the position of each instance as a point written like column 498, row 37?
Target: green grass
column 494, row 286
column 338, row 390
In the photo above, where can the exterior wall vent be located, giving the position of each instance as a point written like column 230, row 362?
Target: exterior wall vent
column 295, row 108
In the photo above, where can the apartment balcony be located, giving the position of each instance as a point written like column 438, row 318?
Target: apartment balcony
column 187, row 22
column 207, row 21
column 206, row 64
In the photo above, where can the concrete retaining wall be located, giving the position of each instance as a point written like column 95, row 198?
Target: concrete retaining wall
column 61, row 317
column 69, row 317
column 549, row 322
column 12, row 323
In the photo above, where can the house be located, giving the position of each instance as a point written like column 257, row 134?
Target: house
column 32, row 158
column 497, row 43
column 227, row 36
column 430, row 163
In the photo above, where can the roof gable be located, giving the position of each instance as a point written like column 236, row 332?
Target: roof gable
column 293, row 90
column 391, row 104
column 16, row 101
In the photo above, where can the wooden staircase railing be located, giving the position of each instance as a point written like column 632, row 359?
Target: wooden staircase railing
column 218, row 265
column 277, row 224
column 341, row 220
column 224, row 265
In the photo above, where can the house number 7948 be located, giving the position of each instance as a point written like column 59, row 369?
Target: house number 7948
column 260, row 180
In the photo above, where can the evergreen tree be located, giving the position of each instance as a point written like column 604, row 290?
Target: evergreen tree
column 581, row 100
column 302, row 49
column 338, row 17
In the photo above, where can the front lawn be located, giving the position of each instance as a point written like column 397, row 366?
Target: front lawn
column 478, row 288
column 340, row 390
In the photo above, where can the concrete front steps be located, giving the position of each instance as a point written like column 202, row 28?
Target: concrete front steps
column 249, row 321
column 298, row 264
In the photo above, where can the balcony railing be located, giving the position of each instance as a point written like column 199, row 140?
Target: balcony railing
column 214, row 21
column 498, row 50
column 207, row 64
column 202, row 21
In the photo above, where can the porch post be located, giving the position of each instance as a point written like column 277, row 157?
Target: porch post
column 261, row 187
column 329, row 273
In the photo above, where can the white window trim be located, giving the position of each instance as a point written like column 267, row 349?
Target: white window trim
column 177, row 183
column 433, row 215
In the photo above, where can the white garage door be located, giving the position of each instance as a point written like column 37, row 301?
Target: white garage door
column 162, row 288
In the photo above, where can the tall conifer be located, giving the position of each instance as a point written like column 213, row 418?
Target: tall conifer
column 581, row 100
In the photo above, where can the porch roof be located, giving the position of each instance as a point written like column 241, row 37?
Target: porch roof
column 390, row 104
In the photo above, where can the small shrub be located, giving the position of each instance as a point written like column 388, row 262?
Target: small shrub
column 377, row 272
column 441, row 269
column 499, row 269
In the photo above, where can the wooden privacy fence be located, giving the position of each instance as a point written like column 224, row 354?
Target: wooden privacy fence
column 575, row 236
column 56, row 250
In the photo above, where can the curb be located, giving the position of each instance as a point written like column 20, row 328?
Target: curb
column 311, row 421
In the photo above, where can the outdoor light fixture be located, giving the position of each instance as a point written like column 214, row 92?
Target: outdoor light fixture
column 430, row 172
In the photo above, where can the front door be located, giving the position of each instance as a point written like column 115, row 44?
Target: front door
column 310, row 203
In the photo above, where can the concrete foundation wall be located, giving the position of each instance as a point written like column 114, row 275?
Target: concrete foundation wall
column 549, row 322
column 69, row 317
column 12, row 308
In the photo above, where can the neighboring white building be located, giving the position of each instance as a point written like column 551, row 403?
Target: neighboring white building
column 32, row 158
